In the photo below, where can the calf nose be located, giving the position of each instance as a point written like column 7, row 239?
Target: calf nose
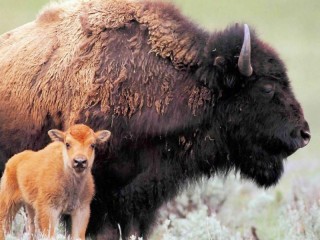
column 80, row 162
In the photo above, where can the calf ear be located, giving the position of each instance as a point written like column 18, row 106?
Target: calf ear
column 56, row 135
column 103, row 136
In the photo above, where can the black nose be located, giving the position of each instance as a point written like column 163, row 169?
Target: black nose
column 80, row 162
column 305, row 135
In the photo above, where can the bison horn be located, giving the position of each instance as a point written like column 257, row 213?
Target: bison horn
column 244, row 62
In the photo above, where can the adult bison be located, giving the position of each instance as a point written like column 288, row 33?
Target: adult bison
column 181, row 103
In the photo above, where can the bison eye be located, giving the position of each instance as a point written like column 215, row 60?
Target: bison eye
column 68, row 145
column 268, row 88
column 93, row 146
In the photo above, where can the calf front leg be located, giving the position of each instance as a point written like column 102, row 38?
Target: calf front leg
column 80, row 219
column 47, row 219
column 4, row 216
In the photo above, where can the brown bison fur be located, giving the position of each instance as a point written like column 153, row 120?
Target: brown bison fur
column 83, row 69
column 53, row 181
column 178, row 104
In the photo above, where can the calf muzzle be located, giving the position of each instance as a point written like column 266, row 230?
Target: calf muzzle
column 80, row 164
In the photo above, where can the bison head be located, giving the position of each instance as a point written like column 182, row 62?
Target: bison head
column 259, row 121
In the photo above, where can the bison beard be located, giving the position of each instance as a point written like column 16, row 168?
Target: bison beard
column 181, row 103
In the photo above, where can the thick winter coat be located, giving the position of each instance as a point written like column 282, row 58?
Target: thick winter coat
column 181, row 102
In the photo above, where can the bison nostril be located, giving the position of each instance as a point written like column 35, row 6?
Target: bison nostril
column 301, row 136
column 306, row 136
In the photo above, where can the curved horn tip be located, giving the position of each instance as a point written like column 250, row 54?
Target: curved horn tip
column 246, row 29
column 244, row 62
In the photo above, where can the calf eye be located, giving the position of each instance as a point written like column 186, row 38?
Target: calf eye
column 93, row 146
column 68, row 145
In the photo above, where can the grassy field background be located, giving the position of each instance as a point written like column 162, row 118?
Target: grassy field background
column 229, row 208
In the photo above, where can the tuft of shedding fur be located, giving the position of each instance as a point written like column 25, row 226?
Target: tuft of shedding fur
column 170, row 92
column 50, row 14
column 80, row 132
column 74, row 67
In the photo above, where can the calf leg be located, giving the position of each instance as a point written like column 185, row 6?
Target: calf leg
column 9, row 205
column 4, row 214
column 47, row 219
column 80, row 219
column 31, row 224
column 8, row 211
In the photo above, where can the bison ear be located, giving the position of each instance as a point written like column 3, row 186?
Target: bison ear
column 219, row 61
column 103, row 136
column 56, row 135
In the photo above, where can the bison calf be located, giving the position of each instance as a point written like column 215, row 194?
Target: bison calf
column 55, row 180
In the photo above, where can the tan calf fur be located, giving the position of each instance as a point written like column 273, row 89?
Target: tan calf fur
column 53, row 181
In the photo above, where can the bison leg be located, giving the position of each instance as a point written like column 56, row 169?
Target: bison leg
column 136, row 204
column 108, row 232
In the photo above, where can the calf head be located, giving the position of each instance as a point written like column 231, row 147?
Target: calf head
column 79, row 145
column 259, row 119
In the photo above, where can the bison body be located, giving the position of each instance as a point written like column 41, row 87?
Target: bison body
column 181, row 103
